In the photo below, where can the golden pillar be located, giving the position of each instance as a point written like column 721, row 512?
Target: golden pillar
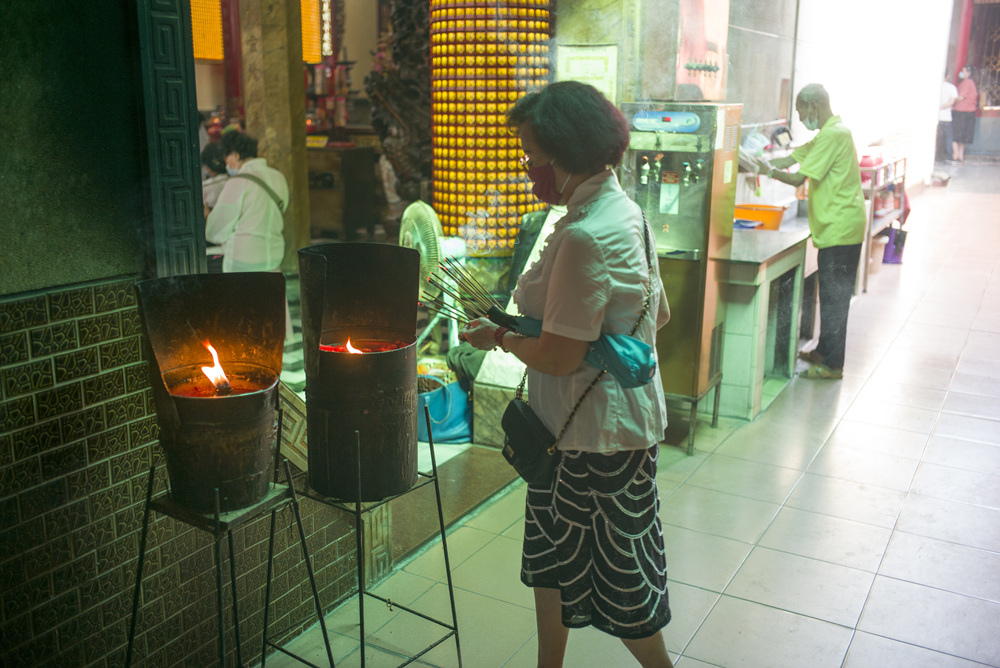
column 484, row 56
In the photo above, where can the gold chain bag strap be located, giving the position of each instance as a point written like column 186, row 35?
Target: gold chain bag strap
column 529, row 446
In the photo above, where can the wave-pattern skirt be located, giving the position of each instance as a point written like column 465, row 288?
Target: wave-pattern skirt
column 595, row 535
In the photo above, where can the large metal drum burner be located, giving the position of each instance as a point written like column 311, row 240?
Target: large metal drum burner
column 218, row 436
column 365, row 294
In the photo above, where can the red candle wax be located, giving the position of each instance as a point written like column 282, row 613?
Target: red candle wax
column 203, row 387
column 364, row 346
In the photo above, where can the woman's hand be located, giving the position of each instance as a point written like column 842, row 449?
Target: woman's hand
column 552, row 354
column 479, row 333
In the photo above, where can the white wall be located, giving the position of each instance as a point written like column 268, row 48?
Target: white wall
column 882, row 62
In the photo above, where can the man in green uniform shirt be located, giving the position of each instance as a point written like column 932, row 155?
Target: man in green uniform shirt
column 837, row 221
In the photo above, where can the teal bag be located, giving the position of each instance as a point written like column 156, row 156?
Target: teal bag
column 629, row 360
column 450, row 411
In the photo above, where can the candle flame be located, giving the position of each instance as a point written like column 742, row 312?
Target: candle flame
column 352, row 349
column 215, row 373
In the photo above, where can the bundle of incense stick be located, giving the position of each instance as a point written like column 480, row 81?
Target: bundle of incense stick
column 472, row 300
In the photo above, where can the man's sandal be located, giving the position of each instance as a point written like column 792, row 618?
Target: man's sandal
column 822, row 372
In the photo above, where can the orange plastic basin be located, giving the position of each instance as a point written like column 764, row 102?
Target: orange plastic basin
column 769, row 216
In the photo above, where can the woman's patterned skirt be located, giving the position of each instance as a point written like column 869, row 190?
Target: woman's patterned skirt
column 595, row 535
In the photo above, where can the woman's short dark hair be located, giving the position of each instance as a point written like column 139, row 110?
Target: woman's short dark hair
column 213, row 158
column 574, row 124
column 240, row 143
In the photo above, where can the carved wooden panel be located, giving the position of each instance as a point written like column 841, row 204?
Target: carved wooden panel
column 167, row 59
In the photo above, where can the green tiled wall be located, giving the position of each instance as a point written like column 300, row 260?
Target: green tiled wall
column 78, row 434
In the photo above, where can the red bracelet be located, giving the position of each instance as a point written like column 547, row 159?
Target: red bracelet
column 498, row 337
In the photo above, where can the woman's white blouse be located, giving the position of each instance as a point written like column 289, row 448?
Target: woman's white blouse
column 590, row 277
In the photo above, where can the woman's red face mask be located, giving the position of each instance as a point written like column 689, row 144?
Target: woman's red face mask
column 543, row 183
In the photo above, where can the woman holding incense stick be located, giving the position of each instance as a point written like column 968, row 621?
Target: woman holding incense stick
column 593, row 546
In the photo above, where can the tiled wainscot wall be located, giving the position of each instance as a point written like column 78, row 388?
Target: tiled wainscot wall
column 77, row 437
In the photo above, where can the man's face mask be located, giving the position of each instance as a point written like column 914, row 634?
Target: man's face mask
column 811, row 122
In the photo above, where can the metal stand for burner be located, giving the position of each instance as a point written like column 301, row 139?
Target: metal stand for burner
column 356, row 509
column 716, row 383
column 221, row 525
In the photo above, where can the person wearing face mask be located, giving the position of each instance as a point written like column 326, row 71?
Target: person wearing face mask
column 964, row 114
column 837, row 221
column 593, row 548
column 247, row 220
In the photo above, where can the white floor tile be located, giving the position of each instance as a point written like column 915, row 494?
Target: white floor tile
column 717, row 513
column 502, row 514
column 847, row 499
column 490, row 631
column 880, row 439
column 868, row 650
column 942, row 621
column 717, row 562
column 948, row 566
column 741, row 634
column 827, row 538
column 463, row 542
column 961, row 454
column 756, row 480
column 801, row 585
column 689, row 607
column 952, row 521
column 954, row 484
column 863, row 466
column 501, row 560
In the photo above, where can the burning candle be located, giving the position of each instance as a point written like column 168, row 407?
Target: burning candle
column 363, row 347
column 214, row 382
column 216, row 374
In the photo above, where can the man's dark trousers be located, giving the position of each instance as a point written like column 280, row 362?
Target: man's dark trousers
column 838, row 268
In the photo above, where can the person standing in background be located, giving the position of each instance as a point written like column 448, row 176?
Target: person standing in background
column 949, row 95
column 247, row 220
column 963, row 114
column 837, row 221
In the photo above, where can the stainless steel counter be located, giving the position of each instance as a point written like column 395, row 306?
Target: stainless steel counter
column 759, row 246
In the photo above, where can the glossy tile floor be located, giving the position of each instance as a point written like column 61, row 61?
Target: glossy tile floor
column 855, row 523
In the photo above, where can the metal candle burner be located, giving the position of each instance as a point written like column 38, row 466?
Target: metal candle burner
column 366, row 293
column 216, row 435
